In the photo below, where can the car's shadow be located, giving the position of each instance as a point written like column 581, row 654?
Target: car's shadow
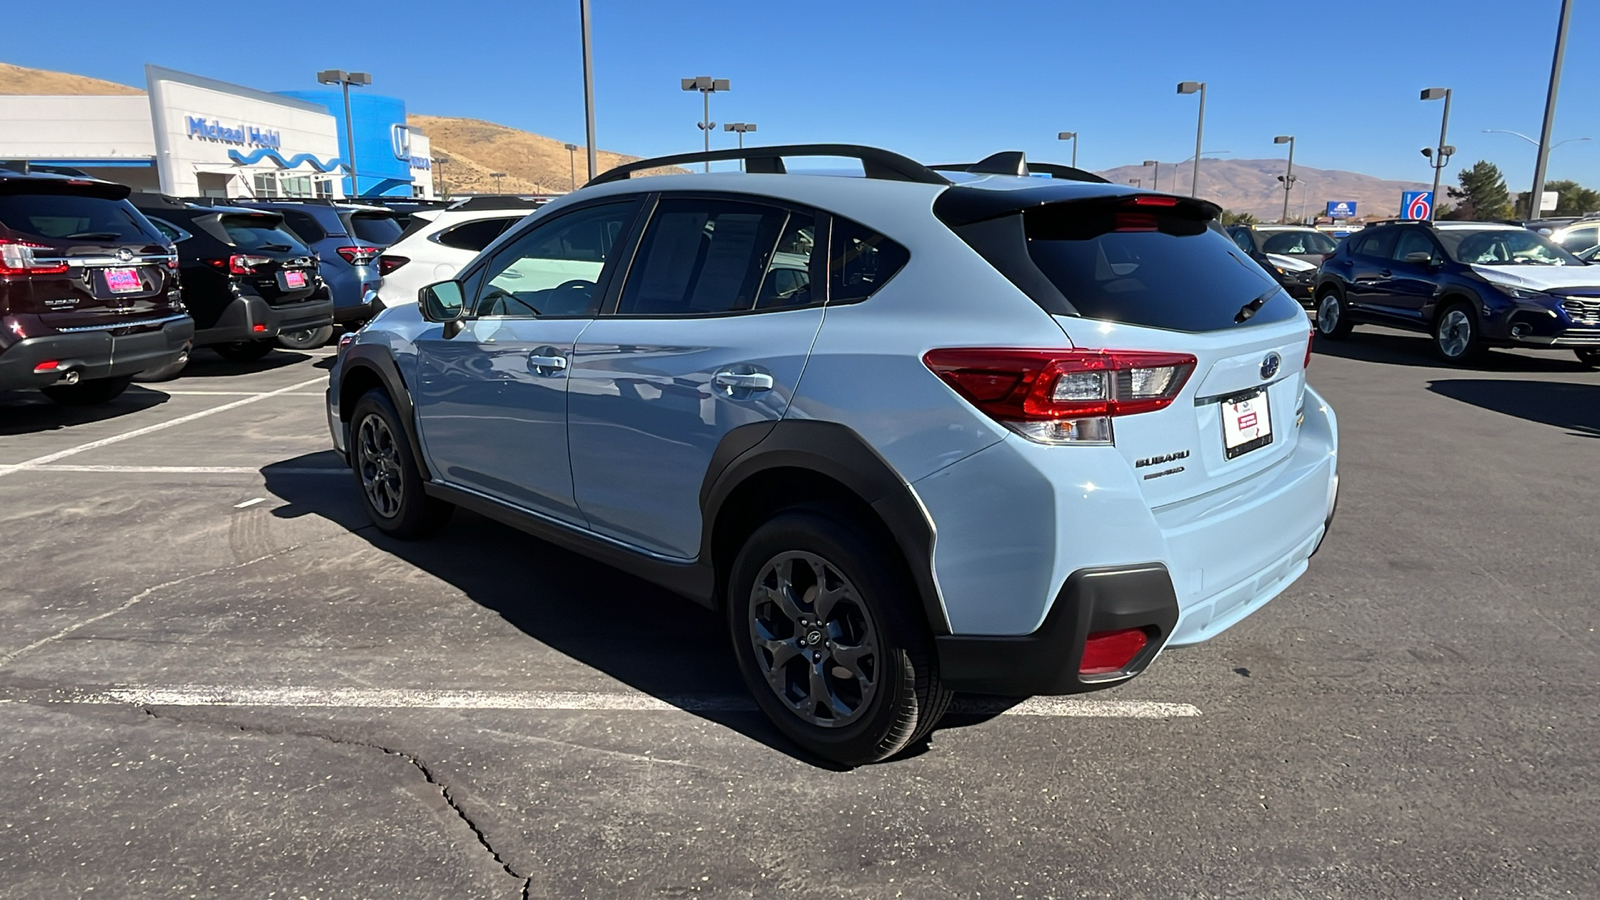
column 1575, row 407
column 30, row 412
column 656, row 642
column 1398, row 348
column 207, row 364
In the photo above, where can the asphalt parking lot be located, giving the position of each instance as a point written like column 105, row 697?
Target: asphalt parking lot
column 217, row 680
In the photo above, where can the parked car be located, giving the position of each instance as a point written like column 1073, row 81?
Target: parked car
column 346, row 239
column 88, row 289
column 1289, row 253
column 1591, row 255
column 1582, row 234
column 1470, row 285
column 1098, row 404
column 437, row 243
column 245, row 279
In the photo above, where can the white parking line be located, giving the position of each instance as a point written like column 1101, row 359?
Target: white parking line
column 195, row 470
column 400, row 698
column 38, row 461
column 249, row 503
column 233, row 393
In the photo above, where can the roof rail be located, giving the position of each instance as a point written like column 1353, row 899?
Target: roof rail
column 1011, row 162
column 875, row 162
column 496, row 201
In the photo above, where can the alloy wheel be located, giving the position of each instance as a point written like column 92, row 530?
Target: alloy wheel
column 378, row 460
column 814, row 640
column 1328, row 313
column 1455, row 333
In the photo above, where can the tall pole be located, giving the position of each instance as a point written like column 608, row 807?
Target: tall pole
column 1199, row 136
column 1549, row 112
column 1288, row 175
column 1439, row 157
column 350, row 140
column 588, row 91
column 1073, row 137
column 705, row 124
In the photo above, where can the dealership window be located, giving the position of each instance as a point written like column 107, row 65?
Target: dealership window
column 266, row 184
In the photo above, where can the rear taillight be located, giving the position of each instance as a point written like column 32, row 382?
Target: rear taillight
column 359, row 256
column 1111, row 651
column 1062, row 396
column 387, row 263
column 19, row 258
column 239, row 264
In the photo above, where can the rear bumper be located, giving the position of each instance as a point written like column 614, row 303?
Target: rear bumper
column 250, row 318
column 93, row 354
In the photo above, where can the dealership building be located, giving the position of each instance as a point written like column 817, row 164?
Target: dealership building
column 191, row 136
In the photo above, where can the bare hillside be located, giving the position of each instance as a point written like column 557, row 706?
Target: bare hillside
column 18, row 80
column 532, row 163
column 1252, row 186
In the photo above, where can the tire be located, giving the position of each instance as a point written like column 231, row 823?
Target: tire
column 1333, row 316
column 88, row 393
column 305, row 338
column 1590, row 358
column 386, row 472
column 168, row 371
column 796, row 670
column 1456, row 336
column 244, row 351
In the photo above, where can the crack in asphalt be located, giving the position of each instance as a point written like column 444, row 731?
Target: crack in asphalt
column 413, row 759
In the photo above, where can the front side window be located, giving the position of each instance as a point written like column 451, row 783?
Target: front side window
column 1414, row 240
column 1299, row 243
column 702, row 257
column 1504, row 247
column 554, row 269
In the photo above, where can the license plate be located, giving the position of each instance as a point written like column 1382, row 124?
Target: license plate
column 294, row 279
column 1246, row 423
column 123, row 281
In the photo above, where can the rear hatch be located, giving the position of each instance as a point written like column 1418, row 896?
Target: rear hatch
column 80, row 256
column 267, row 258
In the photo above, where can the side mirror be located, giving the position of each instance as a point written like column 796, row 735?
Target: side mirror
column 441, row 302
column 1419, row 258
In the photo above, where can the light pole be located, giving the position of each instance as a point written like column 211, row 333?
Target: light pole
column 1155, row 178
column 572, row 164
column 345, row 80
column 1191, row 87
column 1549, row 111
column 707, row 86
column 443, row 187
column 1073, row 137
column 1136, row 182
column 1288, row 176
column 1529, row 139
column 740, row 128
column 499, row 178
column 588, row 89
column 1439, row 157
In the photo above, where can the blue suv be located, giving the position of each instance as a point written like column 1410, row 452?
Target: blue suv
column 347, row 238
column 911, row 433
column 1470, row 285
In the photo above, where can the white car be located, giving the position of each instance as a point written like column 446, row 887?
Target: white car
column 437, row 243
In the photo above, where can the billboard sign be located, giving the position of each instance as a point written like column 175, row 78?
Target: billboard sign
column 1341, row 209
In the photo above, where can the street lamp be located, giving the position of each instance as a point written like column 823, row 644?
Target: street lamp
column 1073, row 137
column 1549, row 111
column 499, row 178
column 346, row 80
column 1155, row 179
column 1136, row 182
column 1438, row 157
column 1529, row 139
column 572, row 164
column 1288, row 176
column 707, row 86
column 740, row 128
column 1191, row 87
column 588, row 89
column 441, row 186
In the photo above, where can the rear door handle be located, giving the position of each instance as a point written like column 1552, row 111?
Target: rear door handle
column 546, row 361
column 749, row 381
column 1386, row 274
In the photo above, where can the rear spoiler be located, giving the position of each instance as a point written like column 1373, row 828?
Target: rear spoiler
column 62, row 184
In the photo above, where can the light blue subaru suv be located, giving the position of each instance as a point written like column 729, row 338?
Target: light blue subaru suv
column 914, row 432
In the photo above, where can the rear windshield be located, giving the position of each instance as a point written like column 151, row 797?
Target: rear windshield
column 1157, row 268
column 375, row 229
column 260, row 233
column 75, row 218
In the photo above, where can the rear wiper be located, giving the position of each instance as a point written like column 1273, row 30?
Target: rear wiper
column 276, row 247
column 1250, row 309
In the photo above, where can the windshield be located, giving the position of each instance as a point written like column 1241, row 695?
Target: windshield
column 1504, row 247
column 260, row 233
column 1158, row 269
column 69, row 217
column 1299, row 243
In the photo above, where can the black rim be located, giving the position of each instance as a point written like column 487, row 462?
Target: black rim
column 378, row 461
column 814, row 641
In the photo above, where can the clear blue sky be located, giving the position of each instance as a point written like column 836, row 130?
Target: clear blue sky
column 936, row 80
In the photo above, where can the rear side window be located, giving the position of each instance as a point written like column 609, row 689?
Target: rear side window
column 70, row 217
column 703, row 256
column 1150, row 266
column 859, row 262
column 376, row 229
column 474, row 236
column 259, row 233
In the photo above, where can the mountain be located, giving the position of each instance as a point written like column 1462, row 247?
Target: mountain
column 1252, row 186
column 18, row 80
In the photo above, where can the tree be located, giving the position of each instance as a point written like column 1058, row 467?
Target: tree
column 1574, row 200
column 1483, row 193
column 1230, row 217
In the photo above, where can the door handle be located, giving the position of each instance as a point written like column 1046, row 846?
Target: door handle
column 1386, row 274
column 546, row 361
column 749, row 381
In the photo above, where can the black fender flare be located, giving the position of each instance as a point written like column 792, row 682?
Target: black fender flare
column 378, row 361
column 838, row 453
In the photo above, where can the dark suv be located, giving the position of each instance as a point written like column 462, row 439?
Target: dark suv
column 1470, row 285
column 245, row 279
column 1289, row 253
column 88, row 289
